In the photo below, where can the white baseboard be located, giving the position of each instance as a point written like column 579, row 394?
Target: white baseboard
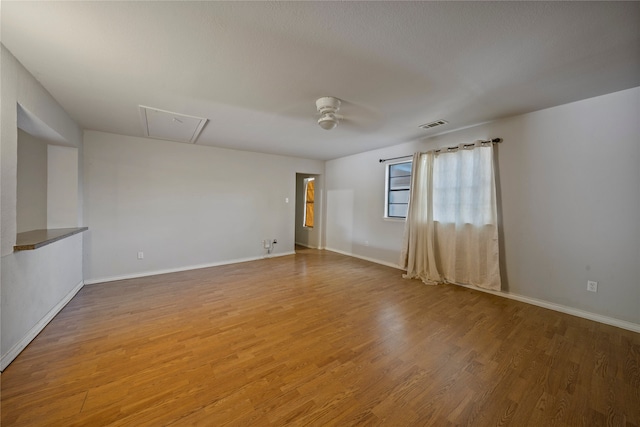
column 179, row 269
column 7, row 358
column 623, row 324
column 304, row 245
column 377, row 261
column 634, row 327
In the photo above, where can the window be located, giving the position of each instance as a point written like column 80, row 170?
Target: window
column 453, row 196
column 309, row 195
column 397, row 188
column 463, row 187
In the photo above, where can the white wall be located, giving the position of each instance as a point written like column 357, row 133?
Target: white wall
column 182, row 205
column 47, row 277
column 47, row 185
column 570, row 198
column 20, row 87
column 62, row 188
column 355, row 206
column 31, row 192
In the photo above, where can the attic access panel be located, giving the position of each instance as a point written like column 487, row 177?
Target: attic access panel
column 170, row 126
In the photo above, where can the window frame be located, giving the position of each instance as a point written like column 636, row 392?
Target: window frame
column 388, row 190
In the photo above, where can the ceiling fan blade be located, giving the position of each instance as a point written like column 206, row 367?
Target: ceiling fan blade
column 360, row 116
column 351, row 115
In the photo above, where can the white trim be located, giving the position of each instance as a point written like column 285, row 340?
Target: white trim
column 307, row 246
column 377, row 261
column 272, row 255
column 179, row 269
column 623, row 324
column 634, row 327
column 7, row 358
column 394, row 219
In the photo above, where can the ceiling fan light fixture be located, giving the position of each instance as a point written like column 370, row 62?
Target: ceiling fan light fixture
column 328, row 121
column 328, row 106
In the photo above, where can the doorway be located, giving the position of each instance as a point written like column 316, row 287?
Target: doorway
column 308, row 210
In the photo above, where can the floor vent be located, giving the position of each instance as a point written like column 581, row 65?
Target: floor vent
column 433, row 124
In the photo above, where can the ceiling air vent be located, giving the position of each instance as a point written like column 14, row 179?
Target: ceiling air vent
column 433, row 124
column 163, row 124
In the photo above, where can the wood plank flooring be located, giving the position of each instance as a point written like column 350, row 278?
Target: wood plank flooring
column 317, row 339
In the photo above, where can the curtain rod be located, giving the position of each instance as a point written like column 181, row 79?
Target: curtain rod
column 493, row 140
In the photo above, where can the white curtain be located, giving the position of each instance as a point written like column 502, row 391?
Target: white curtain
column 451, row 231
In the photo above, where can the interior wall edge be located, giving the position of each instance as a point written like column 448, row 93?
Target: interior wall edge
column 17, row 348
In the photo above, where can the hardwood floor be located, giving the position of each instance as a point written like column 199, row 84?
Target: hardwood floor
column 317, row 339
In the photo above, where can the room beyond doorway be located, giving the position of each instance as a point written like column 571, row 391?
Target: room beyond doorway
column 308, row 216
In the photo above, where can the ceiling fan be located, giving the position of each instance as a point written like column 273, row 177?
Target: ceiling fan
column 328, row 106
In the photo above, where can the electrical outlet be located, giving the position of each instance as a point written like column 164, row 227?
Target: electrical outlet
column 592, row 286
column 140, row 255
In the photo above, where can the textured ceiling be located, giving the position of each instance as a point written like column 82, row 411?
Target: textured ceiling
column 254, row 69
